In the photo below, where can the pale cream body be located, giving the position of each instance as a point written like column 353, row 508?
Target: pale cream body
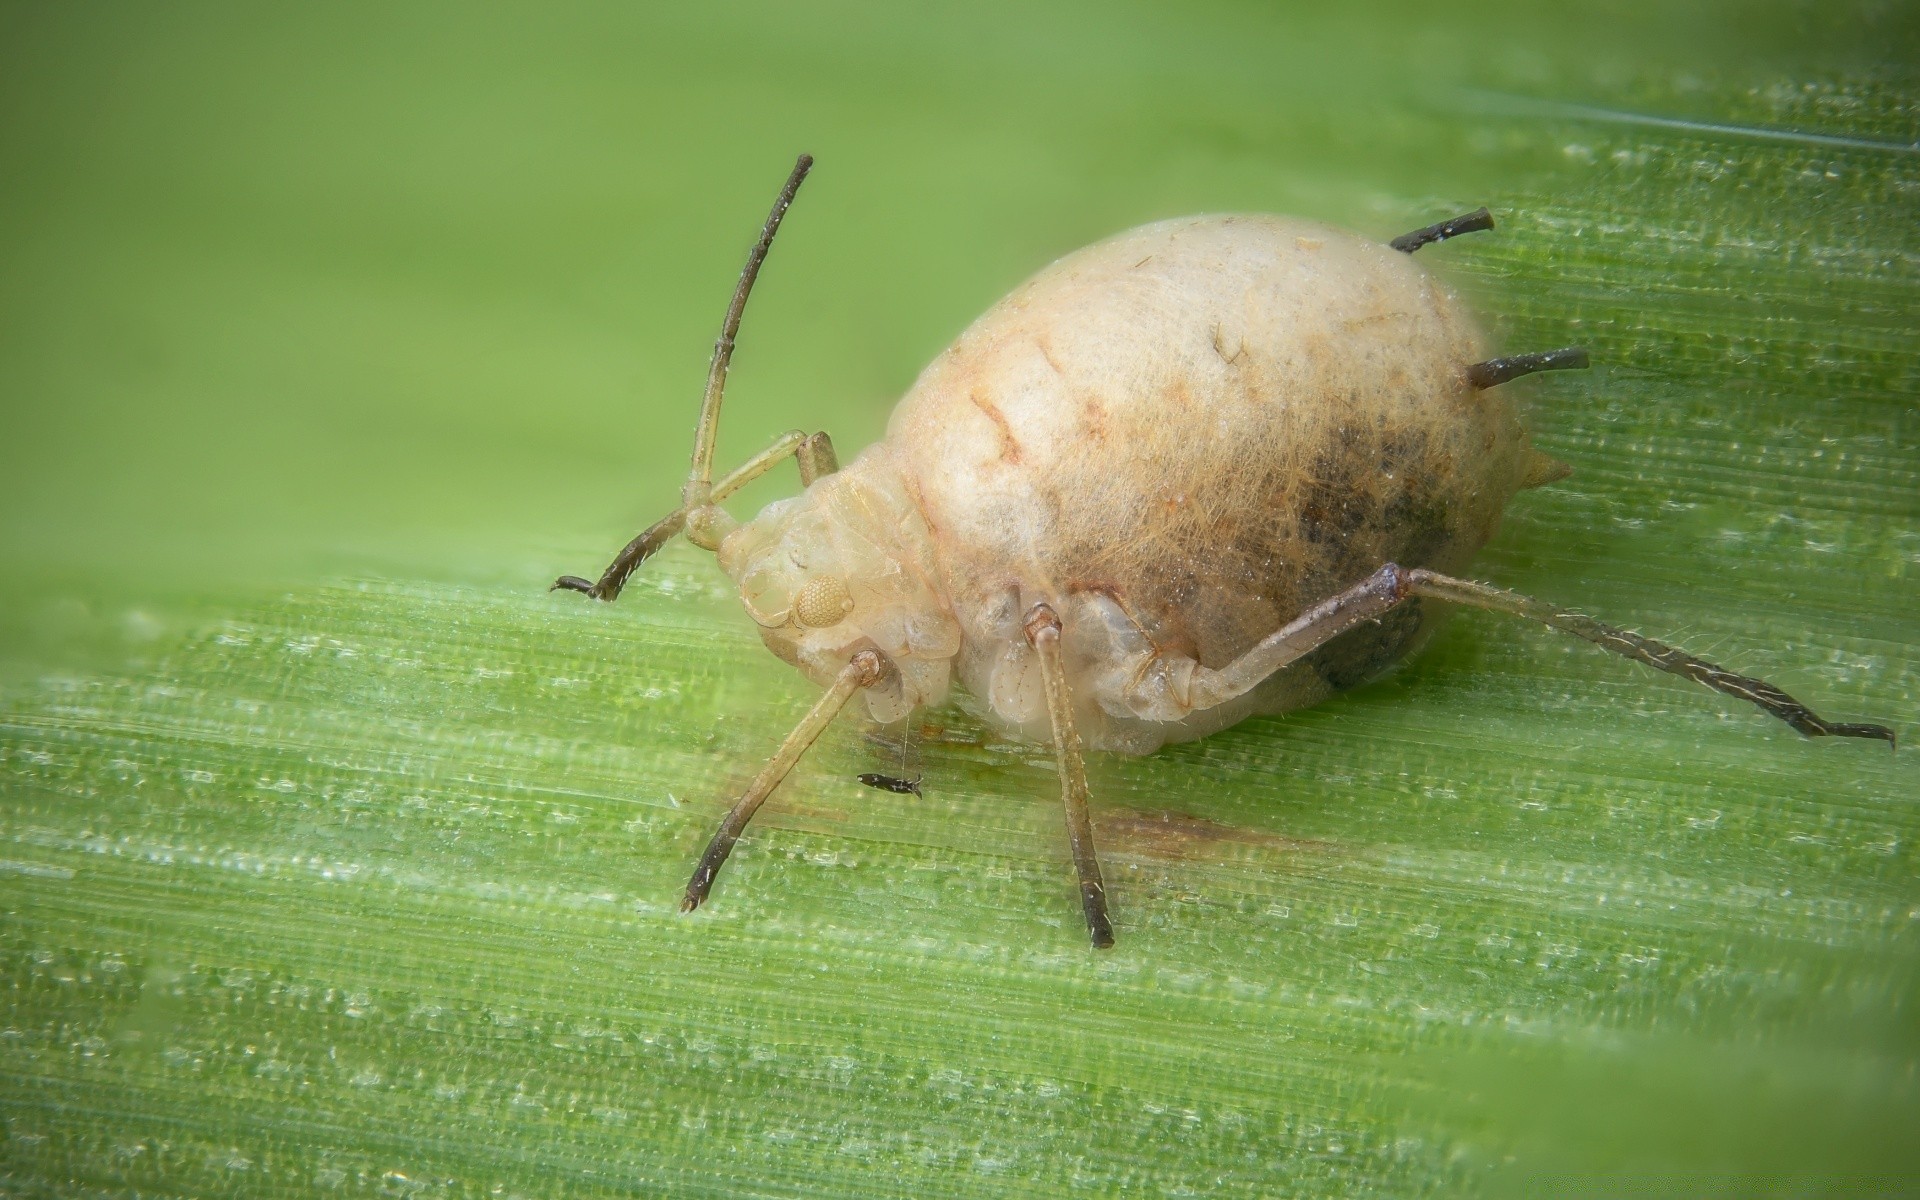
column 1179, row 439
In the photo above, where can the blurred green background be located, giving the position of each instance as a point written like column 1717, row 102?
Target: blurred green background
column 337, row 857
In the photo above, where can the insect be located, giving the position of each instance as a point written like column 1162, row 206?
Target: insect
column 890, row 783
column 1208, row 468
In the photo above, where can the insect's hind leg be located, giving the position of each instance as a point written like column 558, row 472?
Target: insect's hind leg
column 1205, row 687
column 812, row 453
column 1392, row 584
column 1043, row 632
column 1768, row 698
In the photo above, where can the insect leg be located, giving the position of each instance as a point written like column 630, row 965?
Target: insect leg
column 1305, row 633
column 1043, row 630
column 863, row 670
column 1391, row 584
column 1768, row 698
column 1476, row 221
column 808, row 452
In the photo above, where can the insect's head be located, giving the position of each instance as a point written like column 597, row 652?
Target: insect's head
column 845, row 564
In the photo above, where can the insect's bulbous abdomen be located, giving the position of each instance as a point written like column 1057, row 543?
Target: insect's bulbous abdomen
column 845, row 564
column 1183, row 437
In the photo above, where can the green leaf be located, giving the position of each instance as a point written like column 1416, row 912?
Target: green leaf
column 338, row 857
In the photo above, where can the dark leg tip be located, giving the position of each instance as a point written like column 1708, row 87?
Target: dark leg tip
column 1865, row 731
column 701, row 885
column 572, row 583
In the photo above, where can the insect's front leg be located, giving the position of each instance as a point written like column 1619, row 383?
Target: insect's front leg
column 700, row 514
column 812, row 453
column 708, row 524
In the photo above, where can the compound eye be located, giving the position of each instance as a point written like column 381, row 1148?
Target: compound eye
column 823, row 602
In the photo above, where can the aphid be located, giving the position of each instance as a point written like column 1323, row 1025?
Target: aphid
column 1208, row 468
column 890, row 783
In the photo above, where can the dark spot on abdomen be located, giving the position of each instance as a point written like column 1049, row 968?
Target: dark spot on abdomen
column 1416, row 528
